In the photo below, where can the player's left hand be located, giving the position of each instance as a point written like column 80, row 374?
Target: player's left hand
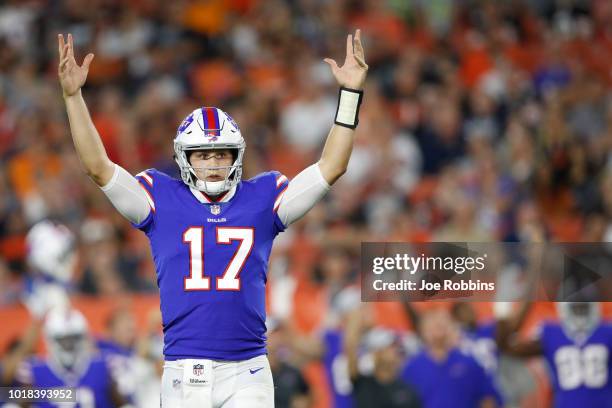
column 353, row 73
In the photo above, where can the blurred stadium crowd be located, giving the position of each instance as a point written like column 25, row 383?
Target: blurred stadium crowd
column 482, row 121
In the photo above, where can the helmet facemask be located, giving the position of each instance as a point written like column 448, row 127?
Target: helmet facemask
column 213, row 188
column 579, row 319
column 67, row 337
column 69, row 349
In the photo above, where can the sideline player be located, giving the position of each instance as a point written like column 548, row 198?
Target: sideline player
column 71, row 359
column 577, row 351
column 211, row 233
column 71, row 362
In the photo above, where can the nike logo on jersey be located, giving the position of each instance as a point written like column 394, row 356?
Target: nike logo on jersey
column 255, row 370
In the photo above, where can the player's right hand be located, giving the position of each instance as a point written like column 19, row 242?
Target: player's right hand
column 72, row 76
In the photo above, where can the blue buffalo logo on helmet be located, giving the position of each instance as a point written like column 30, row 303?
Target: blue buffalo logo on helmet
column 211, row 137
column 232, row 121
column 185, row 124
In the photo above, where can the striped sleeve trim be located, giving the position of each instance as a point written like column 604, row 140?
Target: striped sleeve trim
column 279, row 197
column 148, row 194
column 280, row 180
column 146, row 177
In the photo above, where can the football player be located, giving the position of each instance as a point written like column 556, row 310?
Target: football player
column 119, row 350
column 51, row 251
column 70, row 363
column 577, row 351
column 211, row 233
column 327, row 346
column 333, row 353
column 513, row 378
column 477, row 338
column 51, row 256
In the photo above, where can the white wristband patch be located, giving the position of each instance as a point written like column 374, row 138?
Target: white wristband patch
column 348, row 108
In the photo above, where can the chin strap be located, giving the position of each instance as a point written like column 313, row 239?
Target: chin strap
column 217, row 186
column 204, row 198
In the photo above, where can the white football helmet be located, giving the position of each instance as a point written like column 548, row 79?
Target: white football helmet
column 66, row 336
column 579, row 319
column 51, row 250
column 206, row 129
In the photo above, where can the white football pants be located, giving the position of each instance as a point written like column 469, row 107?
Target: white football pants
column 194, row 383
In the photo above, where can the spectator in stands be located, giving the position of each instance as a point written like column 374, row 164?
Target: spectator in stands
column 291, row 389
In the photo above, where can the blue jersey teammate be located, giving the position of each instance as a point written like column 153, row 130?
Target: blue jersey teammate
column 577, row 351
column 71, row 363
column 211, row 234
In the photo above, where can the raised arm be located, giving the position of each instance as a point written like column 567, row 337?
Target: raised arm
column 16, row 356
column 86, row 139
column 308, row 187
column 412, row 316
column 119, row 186
column 506, row 330
column 351, row 78
column 508, row 325
column 352, row 337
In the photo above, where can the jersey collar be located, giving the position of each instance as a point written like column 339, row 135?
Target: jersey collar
column 205, row 199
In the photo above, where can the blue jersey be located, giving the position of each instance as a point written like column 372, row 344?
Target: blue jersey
column 458, row 382
column 119, row 360
column 336, row 368
column 580, row 371
column 480, row 342
column 93, row 384
column 211, row 260
column 109, row 347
